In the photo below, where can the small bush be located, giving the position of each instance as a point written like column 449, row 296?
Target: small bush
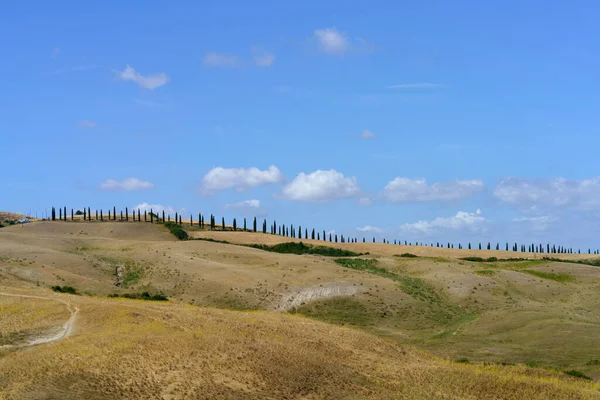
column 485, row 272
column 141, row 296
column 301, row 248
column 176, row 230
column 474, row 259
column 578, row 374
column 65, row 289
column 211, row 240
column 408, row 255
column 462, row 361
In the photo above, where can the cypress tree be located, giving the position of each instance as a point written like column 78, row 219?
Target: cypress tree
column 275, row 227
column 59, row 213
column 84, row 213
column 176, row 217
column 108, row 213
column 318, row 235
column 126, row 214
column 305, row 233
column 479, row 245
column 234, row 225
column 300, row 232
column 121, row 215
column 179, row 219
column 497, row 246
column 114, row 213
column 223, row 222
column 72, row 215
column 324, row 236
column 244, row 223
column 254, row 225
column 65, row 214
column 330, row 240
column 373, row 239
column 101, row 216
column 265, row 226
column 89, row 215
column 336, row 237
column 363, row 239
column 313, row 234
column 96, row 215
column 163, row 216
column 280, row 231
column 140, row 215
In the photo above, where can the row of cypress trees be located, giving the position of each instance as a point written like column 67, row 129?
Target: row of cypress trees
column 294, row 232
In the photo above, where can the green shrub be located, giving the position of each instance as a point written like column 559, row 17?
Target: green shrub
column 301, row 248
column 578, row 374
column 176, row 230
column 64, row 289
column 462, row 361
column 141, row 296
column 408, row 255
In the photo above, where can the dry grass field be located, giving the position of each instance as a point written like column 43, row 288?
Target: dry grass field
column 248, row 323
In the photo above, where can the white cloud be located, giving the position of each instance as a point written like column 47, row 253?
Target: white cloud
column 220, row 60
column 147, row 82
column 244, row 204
column 365, row 201
column 84, row 123
column 474, row 222
column 369, row 228
column 247, row 207
column 332, row 41
column 321, row 186
column 425, row 85
column 417, row 190
column 126, row 184
column 155, row 208
column 239, row 178
column 366, row 134
column 539, row 223
column 560, row 192
column 262, row 58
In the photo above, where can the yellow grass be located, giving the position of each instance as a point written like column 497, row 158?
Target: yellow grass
column 136, row 350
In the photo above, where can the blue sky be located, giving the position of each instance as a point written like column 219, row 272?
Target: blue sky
column 433, row 121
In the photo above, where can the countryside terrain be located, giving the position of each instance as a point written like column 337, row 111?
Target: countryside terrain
column 243, row 322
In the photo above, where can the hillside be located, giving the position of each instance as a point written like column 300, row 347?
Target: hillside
column 537, row 312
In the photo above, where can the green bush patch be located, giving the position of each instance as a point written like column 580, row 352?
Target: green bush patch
column 577, row 374
column 65, row 289
column 141, row 296
column 302, row 248
column 176, row 230
column 549, row 275
column 408, row 255
column 340, row 310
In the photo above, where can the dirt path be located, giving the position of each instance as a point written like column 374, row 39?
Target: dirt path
column 331, row 289
column 67, row 328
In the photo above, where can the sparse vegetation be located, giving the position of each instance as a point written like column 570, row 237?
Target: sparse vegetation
column 407, row 255
column 65, row 289
column 549, row 275
column 141, row 296
column 485, row 272
column 577, row 374
column 176, row 230
column 302, row 248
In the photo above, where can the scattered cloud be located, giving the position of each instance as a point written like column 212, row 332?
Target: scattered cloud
column 409, row 190
column 55, row 52
column 321, row 186
column 369, row 228
column 247, row 207
column 581, row 194
column 126, row 184
column 331, row 41
column 366, row 134
column 470, row 221
column 262, row 58
column 365, row 201
column 84, row 123
column 147, row 82
column 239, row 178
column 155, row 208
column 424, row 85
column 539, row 223
column 220, row 60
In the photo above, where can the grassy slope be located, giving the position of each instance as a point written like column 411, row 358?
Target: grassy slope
column 133, row 349
column 448, row 306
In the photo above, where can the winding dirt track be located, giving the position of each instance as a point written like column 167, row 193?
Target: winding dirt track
column 67, row 328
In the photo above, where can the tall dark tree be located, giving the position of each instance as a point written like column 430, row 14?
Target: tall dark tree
column 59, row 213
column 223, row 223
column 254, row 225
column 101, row 216
column 363, row 239
column 163, row 219
column 318, row 235
column 84, row 213
column 497, row 246
column 72, row 215
column 126, row 214
column 373, row 239
column 489, row 246
column 312, row 236
column 114, row 213
column 265, row 226
column 479, row 245
column 121, row 215
column 300, row 232
column 244, row 223
column 336, row 237
column 275, row 227
column 65, row 214
column 234, row 225
column 305, row 233
column 96, row 215
column 139, row 215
